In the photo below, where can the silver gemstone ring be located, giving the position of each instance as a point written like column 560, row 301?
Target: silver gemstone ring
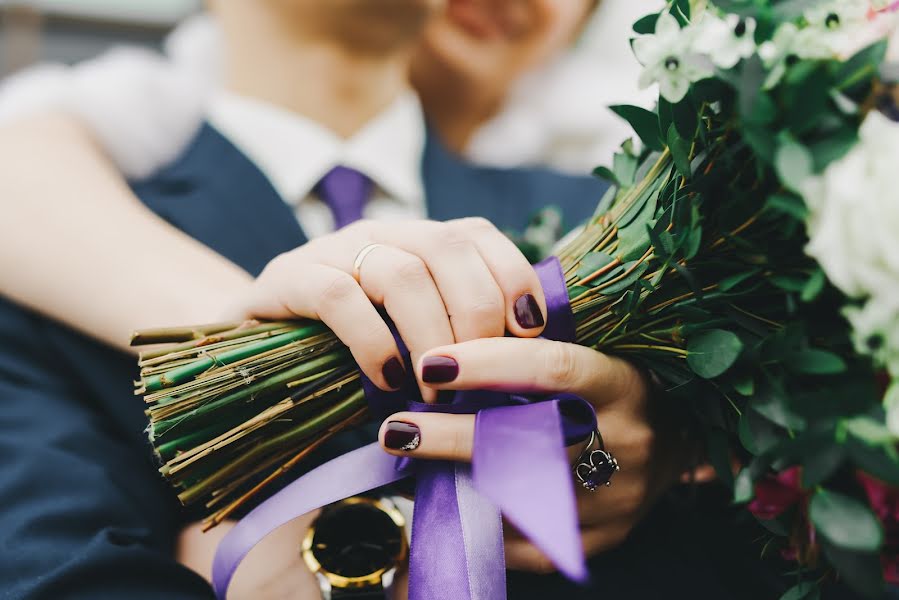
column 595, row 467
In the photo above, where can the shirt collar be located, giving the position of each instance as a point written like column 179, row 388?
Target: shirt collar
column 295, row 152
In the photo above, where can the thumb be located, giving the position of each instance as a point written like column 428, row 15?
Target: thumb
column 432, row 436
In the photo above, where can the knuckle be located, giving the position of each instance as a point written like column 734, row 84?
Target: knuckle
column 339, row 289
column 487, row 311
column 452, row 238
column 412, row 272
column 476, row 225
column 560, row 365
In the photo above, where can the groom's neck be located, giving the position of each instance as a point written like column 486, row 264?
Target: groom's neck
column 341, row 84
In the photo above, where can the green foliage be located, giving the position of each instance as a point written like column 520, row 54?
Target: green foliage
column 711, row 353
column 845, row 522
column 644, row 122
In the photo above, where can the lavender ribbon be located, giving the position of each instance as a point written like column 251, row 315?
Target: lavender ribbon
column 519, row 470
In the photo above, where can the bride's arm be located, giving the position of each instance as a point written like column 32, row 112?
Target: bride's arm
column 77, row 244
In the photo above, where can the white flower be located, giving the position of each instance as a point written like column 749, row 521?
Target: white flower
column 854, row 214
column 875, row 330
column 669, row 60
column 725, row 41
column 852, row 225
column 789, row 44
column 837, row 24
column 838, row 14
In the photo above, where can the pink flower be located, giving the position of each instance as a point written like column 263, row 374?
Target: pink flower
column 884, row 501
column 776, row 493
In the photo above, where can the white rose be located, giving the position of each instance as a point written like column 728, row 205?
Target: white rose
column 853, row 223
column 875, row 328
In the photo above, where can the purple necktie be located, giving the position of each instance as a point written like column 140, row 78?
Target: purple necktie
column 345, row 191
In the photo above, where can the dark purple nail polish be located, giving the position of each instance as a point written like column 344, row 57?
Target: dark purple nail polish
column 394, row 373
column 400, row 435
column 527, row 312
column 439, row 369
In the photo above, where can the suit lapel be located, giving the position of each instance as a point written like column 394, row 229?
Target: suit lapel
column 216, row 195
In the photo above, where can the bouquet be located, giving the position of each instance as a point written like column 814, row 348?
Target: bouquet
column 745, row 255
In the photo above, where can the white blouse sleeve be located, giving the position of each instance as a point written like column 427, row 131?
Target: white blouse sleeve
column 141, row 106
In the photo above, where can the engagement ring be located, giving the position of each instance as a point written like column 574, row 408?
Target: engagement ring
column 595, row 467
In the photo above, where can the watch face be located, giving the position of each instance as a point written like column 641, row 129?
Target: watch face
column 352, row 540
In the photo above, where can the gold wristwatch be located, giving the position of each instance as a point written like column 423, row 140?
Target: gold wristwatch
column 354, row 548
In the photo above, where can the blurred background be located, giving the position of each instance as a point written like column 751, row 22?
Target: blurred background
column 67, row 31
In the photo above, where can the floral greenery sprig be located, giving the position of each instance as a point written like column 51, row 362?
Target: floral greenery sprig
column 698, row 265
column 754, row 143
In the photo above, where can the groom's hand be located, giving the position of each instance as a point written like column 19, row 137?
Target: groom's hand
column 617, row 391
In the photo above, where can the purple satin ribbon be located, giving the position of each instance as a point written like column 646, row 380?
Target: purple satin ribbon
column 519, row 470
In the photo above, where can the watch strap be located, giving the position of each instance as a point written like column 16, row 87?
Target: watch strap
column 373, row 593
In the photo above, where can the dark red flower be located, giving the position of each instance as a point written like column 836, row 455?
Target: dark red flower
column 776, row 493
column 884, row 502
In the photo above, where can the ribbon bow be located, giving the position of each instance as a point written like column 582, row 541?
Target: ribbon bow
column 519, row 469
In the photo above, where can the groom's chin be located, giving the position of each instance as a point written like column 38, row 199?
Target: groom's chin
column 371, row 27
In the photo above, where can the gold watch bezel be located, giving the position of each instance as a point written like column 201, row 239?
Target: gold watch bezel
column 361, row 581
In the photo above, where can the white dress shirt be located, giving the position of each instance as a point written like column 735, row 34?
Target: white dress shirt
column 294, row 153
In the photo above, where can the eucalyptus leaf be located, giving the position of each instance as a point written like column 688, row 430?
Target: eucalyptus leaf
column 744, row 486
column 732, row 281
column 680, row 151
column 863, row 65
column 606, row 174
column 788, row 204
column 592, row 262
column 646, row 25
column 711, row 353
column 872, row 432
column 745, row 386
column 812, row 361
column 624, row 166
column 577, row 290
column 644, row 122
column 629, row 280
column 633, row 239
column 814, row 286
column 845, row 522
column 794, row 164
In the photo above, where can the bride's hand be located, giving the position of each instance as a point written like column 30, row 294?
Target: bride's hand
column 616, row 390
column 440, row 283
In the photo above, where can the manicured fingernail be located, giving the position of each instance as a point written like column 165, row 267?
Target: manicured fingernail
column 400, row 435
column 527, row 312
column 394, row 373
column 439, row 369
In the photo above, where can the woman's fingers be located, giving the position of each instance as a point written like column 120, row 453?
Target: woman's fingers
column 402, row 284
column 487, row 285
column 433, row 436
column 528, row 365
column 287, row 291
column 525, row 305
